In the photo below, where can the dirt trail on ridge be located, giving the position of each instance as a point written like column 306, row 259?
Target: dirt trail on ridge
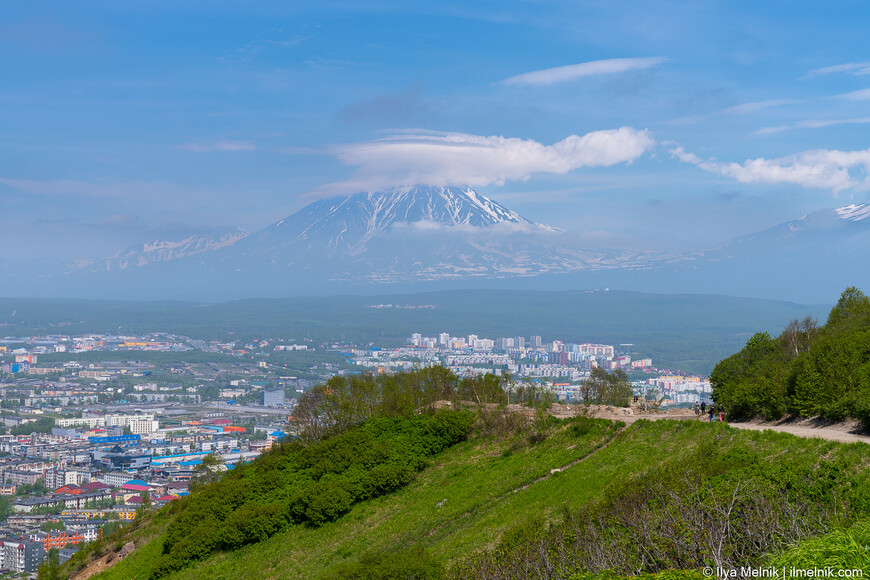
column 847, row 432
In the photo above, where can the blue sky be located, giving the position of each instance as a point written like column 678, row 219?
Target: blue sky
column 663, row 125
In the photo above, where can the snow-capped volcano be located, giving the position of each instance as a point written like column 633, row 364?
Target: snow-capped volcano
column 854, row 212
column 407, row 236
column 349, row 223
column 419, row 233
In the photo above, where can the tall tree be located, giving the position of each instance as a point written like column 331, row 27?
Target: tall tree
column 206, row 472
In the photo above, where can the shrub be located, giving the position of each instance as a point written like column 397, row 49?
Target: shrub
column 412, row 564
column 322, row 502
column 252, row 524
column 383, row 479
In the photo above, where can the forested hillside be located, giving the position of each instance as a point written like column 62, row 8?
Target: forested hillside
column 806, row 371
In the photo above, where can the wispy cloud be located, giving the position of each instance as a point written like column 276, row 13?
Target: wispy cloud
column 813, row 124
column 252, row 49
column 218, row 145
column 462, row 159
column 748, row 108
column 574, row 71
column 741, row 109
column 821, row 168
column 862, row 95
column 852, row 68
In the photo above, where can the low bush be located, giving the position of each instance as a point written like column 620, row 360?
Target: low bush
column 312, row 485
column 413, row 564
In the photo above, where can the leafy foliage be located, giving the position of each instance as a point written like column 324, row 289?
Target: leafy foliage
column 840, row 549
column 807, row 371
column 346, row 401
column 208, row 471
column 308, row 485
column 41, row 425
column 606, row 388
column 412, row 564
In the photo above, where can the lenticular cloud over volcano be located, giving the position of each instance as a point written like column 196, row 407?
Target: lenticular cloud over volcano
column 463, row 159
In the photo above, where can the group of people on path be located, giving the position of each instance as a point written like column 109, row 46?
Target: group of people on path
column 712, row 411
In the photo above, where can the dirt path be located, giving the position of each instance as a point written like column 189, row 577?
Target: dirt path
column 607, row 440
column 848, row 432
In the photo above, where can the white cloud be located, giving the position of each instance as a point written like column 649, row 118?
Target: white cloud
column 741, row 109
column 219, row 145
column 852, row 68
column 821, row 168
column 813, row 124
column 461, row 159
column 862, row 95
column 747, row 108
column 772, row 130
column 596, row 67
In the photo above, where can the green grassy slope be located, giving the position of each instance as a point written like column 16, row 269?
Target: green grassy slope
column 493, row 485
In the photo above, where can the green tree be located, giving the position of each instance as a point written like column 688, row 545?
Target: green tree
column 616, row 389
column 590, row 389
column 208, row 471
column 50, row 526
column 144, row 507
column 853, row 305
column 41, row 425
column 50, row 568
column 5, row 507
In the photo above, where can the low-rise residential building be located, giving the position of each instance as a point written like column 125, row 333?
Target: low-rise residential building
column 20, row 556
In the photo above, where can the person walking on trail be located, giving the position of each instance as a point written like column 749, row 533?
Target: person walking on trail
column 697, row 409
column 712, row 413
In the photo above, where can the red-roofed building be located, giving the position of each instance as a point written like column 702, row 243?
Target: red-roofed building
column 134, row 487
column 69, row 489
column 94, row 486
column 219, row 421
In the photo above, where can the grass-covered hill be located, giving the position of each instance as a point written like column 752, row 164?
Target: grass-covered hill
column 482, row 493
column 807, row 370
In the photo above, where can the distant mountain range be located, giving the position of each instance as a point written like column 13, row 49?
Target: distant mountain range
column 163, row 251
column 442, row 237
